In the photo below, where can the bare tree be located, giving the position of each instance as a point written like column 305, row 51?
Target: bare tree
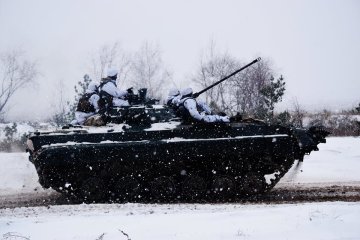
column 148, row 70
column 110, row 56
column 213, row 67
column 61, row 106
column 254, row 91
column 16, row 71
column 298, row 114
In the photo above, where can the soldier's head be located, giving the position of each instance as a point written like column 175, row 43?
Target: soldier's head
column 112, row 73
column 187, row 92
column 92, row 88
column 174, row 92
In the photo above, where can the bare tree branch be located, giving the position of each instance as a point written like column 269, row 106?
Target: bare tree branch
column 241, row 93
column 61, row 105
column 16, row 72
column 148, row 70
column 125, row 234
column 110, row 56
column 298, row 114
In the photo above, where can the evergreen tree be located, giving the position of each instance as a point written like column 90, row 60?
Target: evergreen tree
column 80, row 89
column 357, row 109
column 283, row 118
column 272, row 93
column 9, row 132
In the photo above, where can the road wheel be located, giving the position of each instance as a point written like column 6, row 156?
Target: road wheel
column 93, row 190
column 193, row 187
column 223, row 187
column 162, row 188
column 251, row 184
column 127, row 189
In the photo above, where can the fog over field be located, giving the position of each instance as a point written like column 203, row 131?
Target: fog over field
column 314, row 44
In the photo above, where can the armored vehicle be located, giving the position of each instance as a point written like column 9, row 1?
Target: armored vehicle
column 146, row 152
column 168, row 160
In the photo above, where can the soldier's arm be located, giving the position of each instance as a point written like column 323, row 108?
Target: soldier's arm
column 190, row 105
column 113, row 90
column 94, row 101
column 204, row 107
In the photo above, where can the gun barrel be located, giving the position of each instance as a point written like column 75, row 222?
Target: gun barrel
column 229, row 76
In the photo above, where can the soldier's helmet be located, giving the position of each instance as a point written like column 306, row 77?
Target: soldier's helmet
column 112, row 72
column 187, row 92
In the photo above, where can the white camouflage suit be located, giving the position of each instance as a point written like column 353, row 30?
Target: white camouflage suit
column 191, row 105
column 80, row 117
column 111, row 89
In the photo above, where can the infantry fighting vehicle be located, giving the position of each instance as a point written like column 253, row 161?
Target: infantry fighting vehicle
column 147, row 152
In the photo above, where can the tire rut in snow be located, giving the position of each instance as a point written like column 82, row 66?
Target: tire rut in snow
column 312, row 194
column 32, row 200
column 278, row 195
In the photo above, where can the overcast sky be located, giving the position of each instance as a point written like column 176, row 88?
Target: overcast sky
column 314, row 44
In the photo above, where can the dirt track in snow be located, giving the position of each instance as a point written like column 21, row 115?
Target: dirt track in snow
column 282, row 193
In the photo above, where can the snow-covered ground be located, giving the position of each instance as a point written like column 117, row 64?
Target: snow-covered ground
column 184, row 221
column 337, row 162
column 17, row 174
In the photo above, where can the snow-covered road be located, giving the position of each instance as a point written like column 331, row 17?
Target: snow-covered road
column 185, row 221
column 337, row 162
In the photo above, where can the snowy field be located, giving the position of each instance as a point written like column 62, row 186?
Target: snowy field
column 337, row 162
column 185, row 221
